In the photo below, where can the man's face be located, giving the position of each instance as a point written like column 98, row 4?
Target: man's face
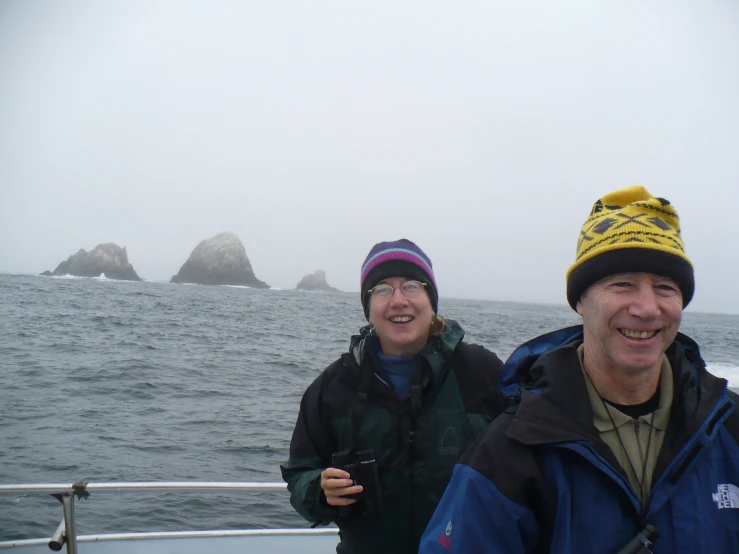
column 629, row 320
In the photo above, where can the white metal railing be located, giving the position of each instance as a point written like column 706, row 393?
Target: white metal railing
column 62, row 488
column 65, row 493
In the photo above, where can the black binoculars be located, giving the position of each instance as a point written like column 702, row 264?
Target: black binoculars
column 641, row 542
column 362, row 469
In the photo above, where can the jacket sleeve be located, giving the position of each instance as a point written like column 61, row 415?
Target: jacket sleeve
column 310, row 454
column 474, row 517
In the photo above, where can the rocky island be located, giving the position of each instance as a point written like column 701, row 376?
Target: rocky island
column 315, row 281
column 105, row 259
column 220, row 260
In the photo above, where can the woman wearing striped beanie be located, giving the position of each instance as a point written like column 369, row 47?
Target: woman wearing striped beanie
column 381, row 428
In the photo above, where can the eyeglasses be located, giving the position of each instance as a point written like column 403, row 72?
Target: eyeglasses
column 410, row 288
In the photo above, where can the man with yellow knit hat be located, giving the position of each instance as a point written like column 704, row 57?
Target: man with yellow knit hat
column 619, row 441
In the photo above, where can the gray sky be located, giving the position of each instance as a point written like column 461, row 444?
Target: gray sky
column 483, row 131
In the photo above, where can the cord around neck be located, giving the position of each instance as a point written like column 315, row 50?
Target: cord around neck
column 642, row 482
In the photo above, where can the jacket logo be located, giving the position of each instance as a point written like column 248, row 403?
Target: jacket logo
column 445, row 538
column 449, row 443
column 727, row 496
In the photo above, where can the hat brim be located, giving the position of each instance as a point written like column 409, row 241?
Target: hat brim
column 397, row 268
column 628, row 260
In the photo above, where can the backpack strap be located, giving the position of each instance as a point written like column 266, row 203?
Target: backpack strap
column 478, row 372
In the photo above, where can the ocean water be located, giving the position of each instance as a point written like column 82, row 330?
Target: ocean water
column 117, row 381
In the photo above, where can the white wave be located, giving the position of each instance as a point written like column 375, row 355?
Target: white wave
column 728, row 371
column 100, row 277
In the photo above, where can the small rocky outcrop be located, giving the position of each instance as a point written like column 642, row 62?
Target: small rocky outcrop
column 315, row 281
column 105, row 259
column 220, row 260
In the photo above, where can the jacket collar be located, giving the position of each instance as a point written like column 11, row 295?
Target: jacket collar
column 554, row 405
column 517, row 367
column 437, row 351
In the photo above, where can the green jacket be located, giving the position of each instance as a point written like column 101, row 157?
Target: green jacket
column 416, row 441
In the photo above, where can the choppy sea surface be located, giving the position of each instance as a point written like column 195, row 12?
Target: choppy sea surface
column 117, row 381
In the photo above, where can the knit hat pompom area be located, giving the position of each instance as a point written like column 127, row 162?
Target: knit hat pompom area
column 630, row 230
column 400, row 258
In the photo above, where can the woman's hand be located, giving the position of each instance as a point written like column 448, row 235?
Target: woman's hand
column 337, row 484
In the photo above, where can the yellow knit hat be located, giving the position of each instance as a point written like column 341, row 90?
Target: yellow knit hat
column 630, row 230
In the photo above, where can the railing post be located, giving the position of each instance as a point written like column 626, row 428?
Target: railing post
column 70, row 533
column 68, row 504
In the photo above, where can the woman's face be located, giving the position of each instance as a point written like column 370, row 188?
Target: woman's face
column 402, row 323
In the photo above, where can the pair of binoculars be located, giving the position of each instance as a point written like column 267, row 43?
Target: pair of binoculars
column 362, row 469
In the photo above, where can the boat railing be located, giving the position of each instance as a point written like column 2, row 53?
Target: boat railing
column 66, row 534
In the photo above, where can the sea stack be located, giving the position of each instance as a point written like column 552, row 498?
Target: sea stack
column 315, row 281
column 220, row 260
column 105, row 259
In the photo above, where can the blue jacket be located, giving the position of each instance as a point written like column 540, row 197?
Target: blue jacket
column 541, row 479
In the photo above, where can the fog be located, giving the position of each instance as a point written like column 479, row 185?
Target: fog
column 483, row 131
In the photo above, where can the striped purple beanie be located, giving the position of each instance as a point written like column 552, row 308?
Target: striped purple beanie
column 400, row 258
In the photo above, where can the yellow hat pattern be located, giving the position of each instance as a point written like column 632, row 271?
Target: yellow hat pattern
column 630, row 230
